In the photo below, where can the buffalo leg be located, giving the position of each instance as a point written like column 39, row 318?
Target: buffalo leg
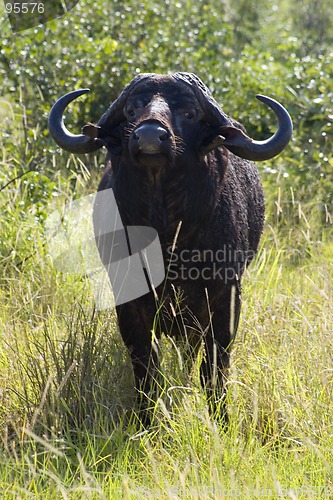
column 215, row 366
column 144, row 357
column 214, row 373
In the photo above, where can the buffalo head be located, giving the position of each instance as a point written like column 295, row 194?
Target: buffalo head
column 159, row 118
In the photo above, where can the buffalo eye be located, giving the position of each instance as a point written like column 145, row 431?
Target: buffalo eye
column 190, row 114
column 131, row 112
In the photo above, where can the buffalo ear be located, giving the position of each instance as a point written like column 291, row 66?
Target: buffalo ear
column 110, row 141
column 237, row 141
column 91, row 130
column 233, row 135
column 229, row 136
column 212, row 143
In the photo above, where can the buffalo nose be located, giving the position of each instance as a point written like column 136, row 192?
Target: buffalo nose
column 149, row 137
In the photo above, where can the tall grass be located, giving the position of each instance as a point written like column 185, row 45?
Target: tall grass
column 67, row 429
column 66, row 386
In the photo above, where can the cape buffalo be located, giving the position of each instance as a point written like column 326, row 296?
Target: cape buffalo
column 177, row 163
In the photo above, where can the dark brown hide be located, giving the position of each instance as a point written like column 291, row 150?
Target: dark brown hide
column 218, row 199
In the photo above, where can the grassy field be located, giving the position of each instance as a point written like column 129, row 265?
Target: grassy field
column 66, row 385
column 66, row 388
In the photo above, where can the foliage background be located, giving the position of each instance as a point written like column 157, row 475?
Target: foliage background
column 283, row 50
column 56, row 381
